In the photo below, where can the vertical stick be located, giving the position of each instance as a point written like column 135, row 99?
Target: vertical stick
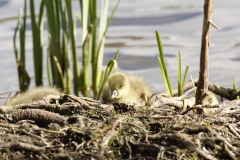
column 202, row 86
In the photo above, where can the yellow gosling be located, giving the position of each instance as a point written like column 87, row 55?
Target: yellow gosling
column 125, row 88
column 33, row 95
column 210, row 99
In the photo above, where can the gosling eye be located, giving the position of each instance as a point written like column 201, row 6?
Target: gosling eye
column 120, row 86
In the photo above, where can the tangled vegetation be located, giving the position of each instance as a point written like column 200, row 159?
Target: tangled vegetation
column 73, row 127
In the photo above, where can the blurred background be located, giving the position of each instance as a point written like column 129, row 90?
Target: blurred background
column 133, row 32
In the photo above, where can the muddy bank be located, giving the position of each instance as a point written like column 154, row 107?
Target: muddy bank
column 82, row 128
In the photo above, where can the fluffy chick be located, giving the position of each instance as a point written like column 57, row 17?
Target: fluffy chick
column 125, row 88
column 33, row 95
column 210, row 99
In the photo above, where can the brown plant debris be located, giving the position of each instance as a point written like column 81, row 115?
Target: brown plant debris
column 83, row 128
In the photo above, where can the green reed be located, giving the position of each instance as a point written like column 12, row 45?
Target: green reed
column 234, row 87
column 181, row 82
column 162, row 64
column 24, row 79
column 111, row 64
column 163, row 68
column 37, row 29
column 62, row 46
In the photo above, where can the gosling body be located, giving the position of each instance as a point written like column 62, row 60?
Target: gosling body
column 33, row 95
column 125, row 88
column 210, row 99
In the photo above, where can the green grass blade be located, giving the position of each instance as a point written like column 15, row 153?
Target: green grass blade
column 52, row 8
column 111, row 64
column 160, row 48
column 15, row 38
column 184, row 78
column 179, row 75
column 164, row 77
column 72, row 29
column 85, row 9
column 86, row 49
column 24, row 79
column 99, row 54
column 163, row 65
column 93, row 21
column 48, row 62
column 37, row 46
column 59, row 68
column 67, row 63
column 233, row 83
column 22, row 29
column 86, row 60
column 65, row 49
column 41, row 13
column 234, row 86
column 100, row 50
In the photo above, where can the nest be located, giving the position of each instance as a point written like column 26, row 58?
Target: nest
column 82, row 128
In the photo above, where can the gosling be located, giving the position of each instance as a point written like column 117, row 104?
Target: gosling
column 30, row 96
column 125, row 88
column 210, row 99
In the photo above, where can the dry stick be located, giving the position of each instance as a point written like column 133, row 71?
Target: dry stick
column 229, row 107
column 229, row 152
column 232, row 129
column 202, row 86
column 33, row 135
column 81, row 102
column 140, row 144
column 6, row 109
column 160, row 101
column 129, row 148
column 21, row 146
column 221, row 138
column 109, row 135
column 227, row 93
column 41, row 117
column 183, row 139
column 51, row 131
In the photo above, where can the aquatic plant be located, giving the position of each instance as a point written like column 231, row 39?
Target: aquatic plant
column 163, row 68
column 62, row 44
column 234, row 87
column 181, row 82
column 162, row 65
column 112, row 64
column 23, row 77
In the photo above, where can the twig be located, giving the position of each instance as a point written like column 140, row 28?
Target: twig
column 20, row 145
column 202, row 86
column 153, row 146
column 182, row 139
column 232, row 129
column 160, row 101
column 234, row 149
column 111, row 133
column 129, row 148
column 80, row 101
column 41, row 117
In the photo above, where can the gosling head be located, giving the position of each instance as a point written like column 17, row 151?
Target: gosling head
column 118, row 85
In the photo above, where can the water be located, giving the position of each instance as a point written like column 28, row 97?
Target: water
column 133, row 32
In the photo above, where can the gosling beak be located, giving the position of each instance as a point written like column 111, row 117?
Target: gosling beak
column 114, row 94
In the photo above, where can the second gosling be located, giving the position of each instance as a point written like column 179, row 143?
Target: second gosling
column 33, row 95
column 125, row 88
